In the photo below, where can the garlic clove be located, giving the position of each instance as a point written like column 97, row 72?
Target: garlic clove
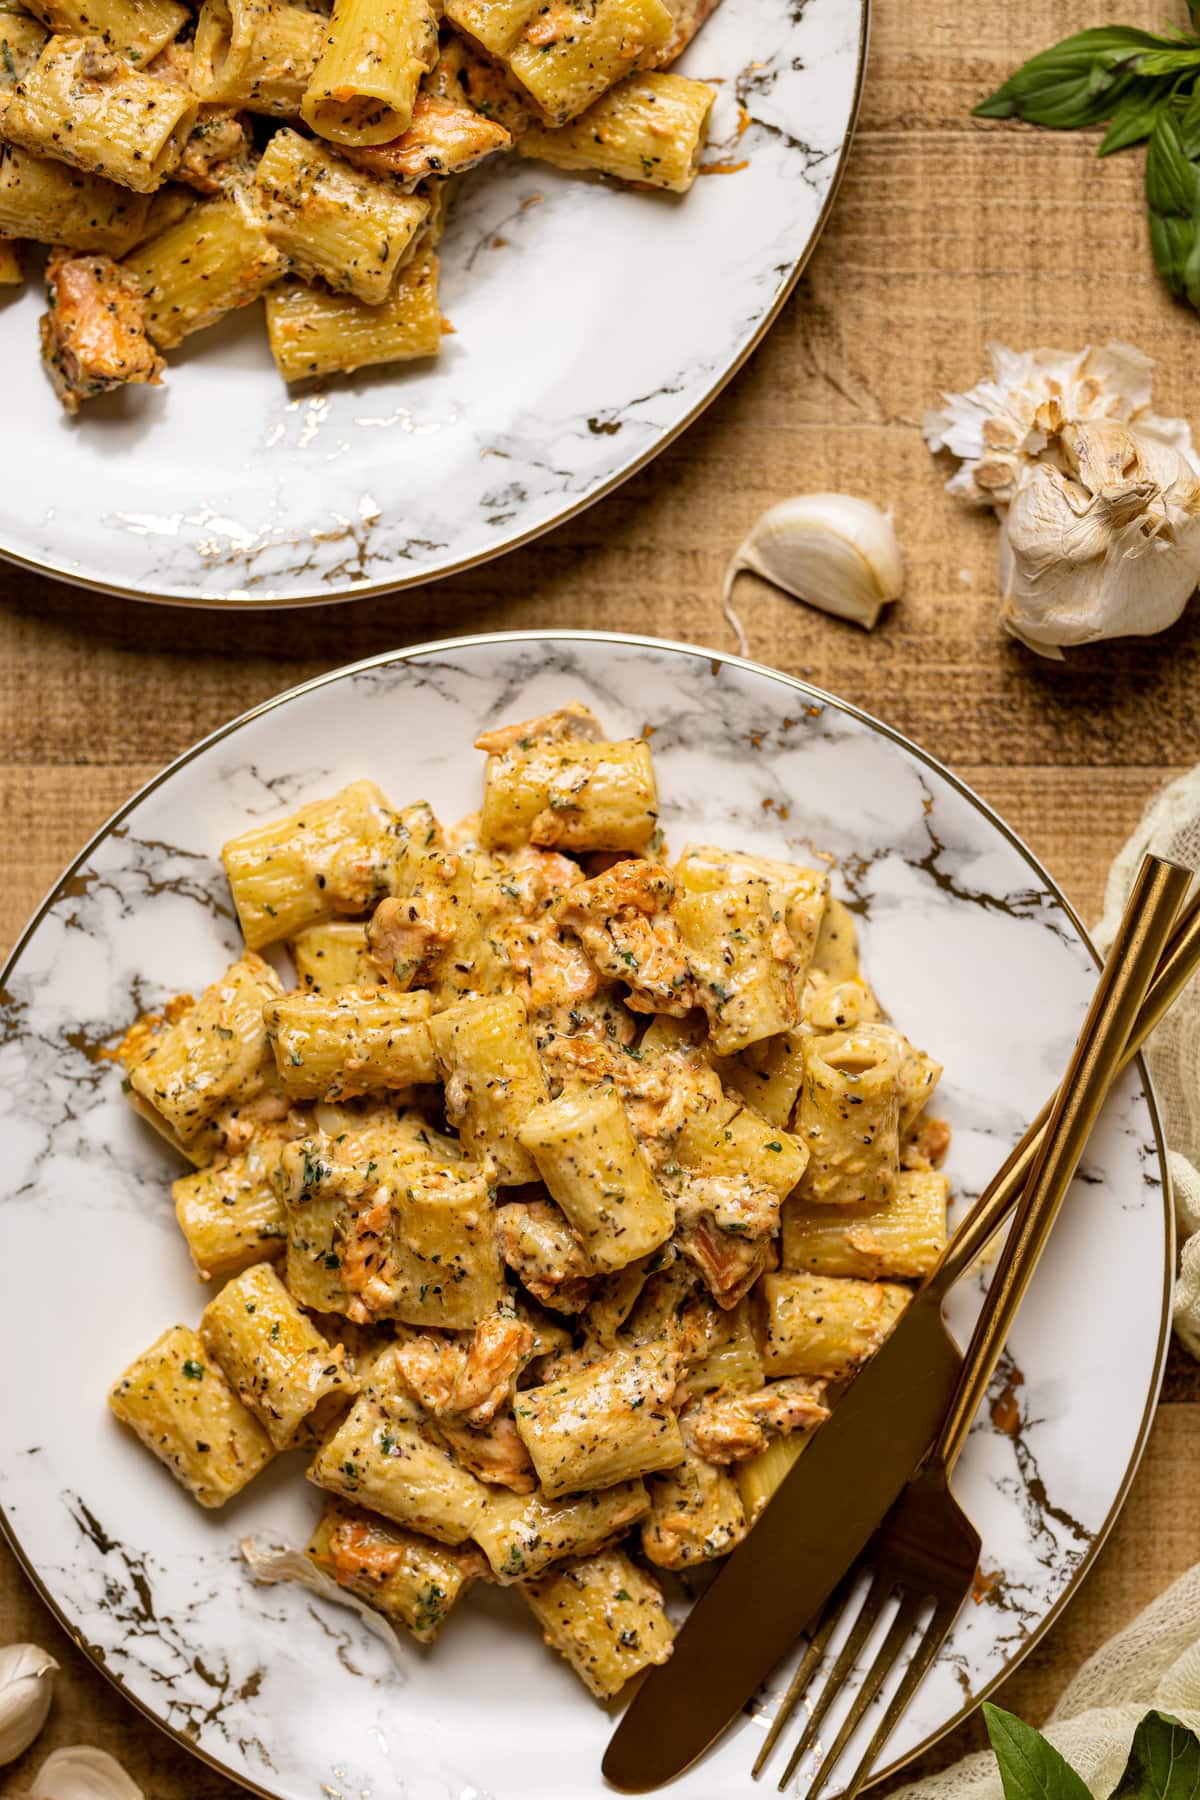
column 278, row 1562
column 834, row 551
column 26, row 1685
column 81, row 1773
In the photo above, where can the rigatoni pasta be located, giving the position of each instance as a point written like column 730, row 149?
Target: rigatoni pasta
column 585, row 1151
column 648, row 128
column 215, row 259
column 315, row 332
column 355, row 1041
column 259, row 54
column 540, row 1249
column 274, row 1358
column 406, row 1577
column 84, row 104
column 364, row 86
column 186, row 1413
column 138, row 27
column 606, row 1616
column 334, row 221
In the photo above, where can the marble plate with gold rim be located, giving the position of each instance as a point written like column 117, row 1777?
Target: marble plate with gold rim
column 591, row 324
column 968, row 943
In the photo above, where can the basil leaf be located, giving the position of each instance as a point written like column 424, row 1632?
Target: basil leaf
column 1170, row 175
column 1177, row 61
column 1164, row 1762
column 1030, row 1767
column 1188, row 112
column 1173, row 241
column 1134, row 115
column 1077, row 82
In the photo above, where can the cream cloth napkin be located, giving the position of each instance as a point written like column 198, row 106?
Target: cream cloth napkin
column 1155, row 1662
column 1170, row 826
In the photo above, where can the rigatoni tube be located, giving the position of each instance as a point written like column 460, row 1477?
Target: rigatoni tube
column 140, row 27
column 359, row 1041
column 605, row 1616
column 329, row 857
column 849, row 1117
column 571, row 51
column 259, row 54
column 648, row 129
column 334, row 221
column 273, row 1356
column 217, row 258
column 494, row 1081
column 902, row 1238
column 88, row 106
column 825, row 1325
column 55, row 204
column 610, row 1422
column 406, row 1577
column 212, row 1057
column 232, row 1213
column 588, row 1157
column 381, row 1458
column 313, row 332
column 521, row 1534
column 364, row 86
column 569, row 793
column 185, row 1412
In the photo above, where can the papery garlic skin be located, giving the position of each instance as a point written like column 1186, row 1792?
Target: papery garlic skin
column 81, row 1773
column 1107, row 546
column 26, row 1686
column 280, row 1562
column 1002, row 427
column 834, row 551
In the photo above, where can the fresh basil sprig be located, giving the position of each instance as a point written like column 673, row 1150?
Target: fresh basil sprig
column 1147, row 88
column 1164, row 1760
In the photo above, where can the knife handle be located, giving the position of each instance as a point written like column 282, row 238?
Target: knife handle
column 1179, row 963
column 1098, row 1055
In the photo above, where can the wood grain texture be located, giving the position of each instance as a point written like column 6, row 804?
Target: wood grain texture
column 947, row 233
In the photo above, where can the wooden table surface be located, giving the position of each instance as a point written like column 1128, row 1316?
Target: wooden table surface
column 947, row 233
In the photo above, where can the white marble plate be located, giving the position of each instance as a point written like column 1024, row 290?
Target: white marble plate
column 592, row 324
column 970, row 947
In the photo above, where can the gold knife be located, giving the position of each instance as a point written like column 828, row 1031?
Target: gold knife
column 836, row 1494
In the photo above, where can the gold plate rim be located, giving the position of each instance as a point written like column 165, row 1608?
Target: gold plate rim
column 475, row 640
column 394, row 584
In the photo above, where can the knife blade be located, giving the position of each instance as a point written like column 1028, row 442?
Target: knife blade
column 814, row 1528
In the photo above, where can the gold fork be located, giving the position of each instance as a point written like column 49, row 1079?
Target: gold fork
column 926, row 1552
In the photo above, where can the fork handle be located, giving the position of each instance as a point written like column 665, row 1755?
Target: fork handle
column 1095, row 1060
column 1178, row 965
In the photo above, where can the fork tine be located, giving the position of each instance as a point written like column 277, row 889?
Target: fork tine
column 932, row 1639
column 819, row 1636
column 899, row 1631
column 847, row 1656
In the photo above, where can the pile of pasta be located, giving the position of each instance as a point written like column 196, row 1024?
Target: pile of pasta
column 554, row 1202
column 137, row 140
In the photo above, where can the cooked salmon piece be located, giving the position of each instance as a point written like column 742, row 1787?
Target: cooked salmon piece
column 94, row 334
column 445, row 137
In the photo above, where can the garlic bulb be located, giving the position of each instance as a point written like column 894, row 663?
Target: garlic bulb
column 80, row 1773
column 26, row 1684
column 832, row 550
column 1107, row 546
column 1000, row 428
column 278, row 1562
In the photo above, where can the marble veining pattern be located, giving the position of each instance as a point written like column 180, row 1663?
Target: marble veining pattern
column 590, row 323
column 968, row 948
